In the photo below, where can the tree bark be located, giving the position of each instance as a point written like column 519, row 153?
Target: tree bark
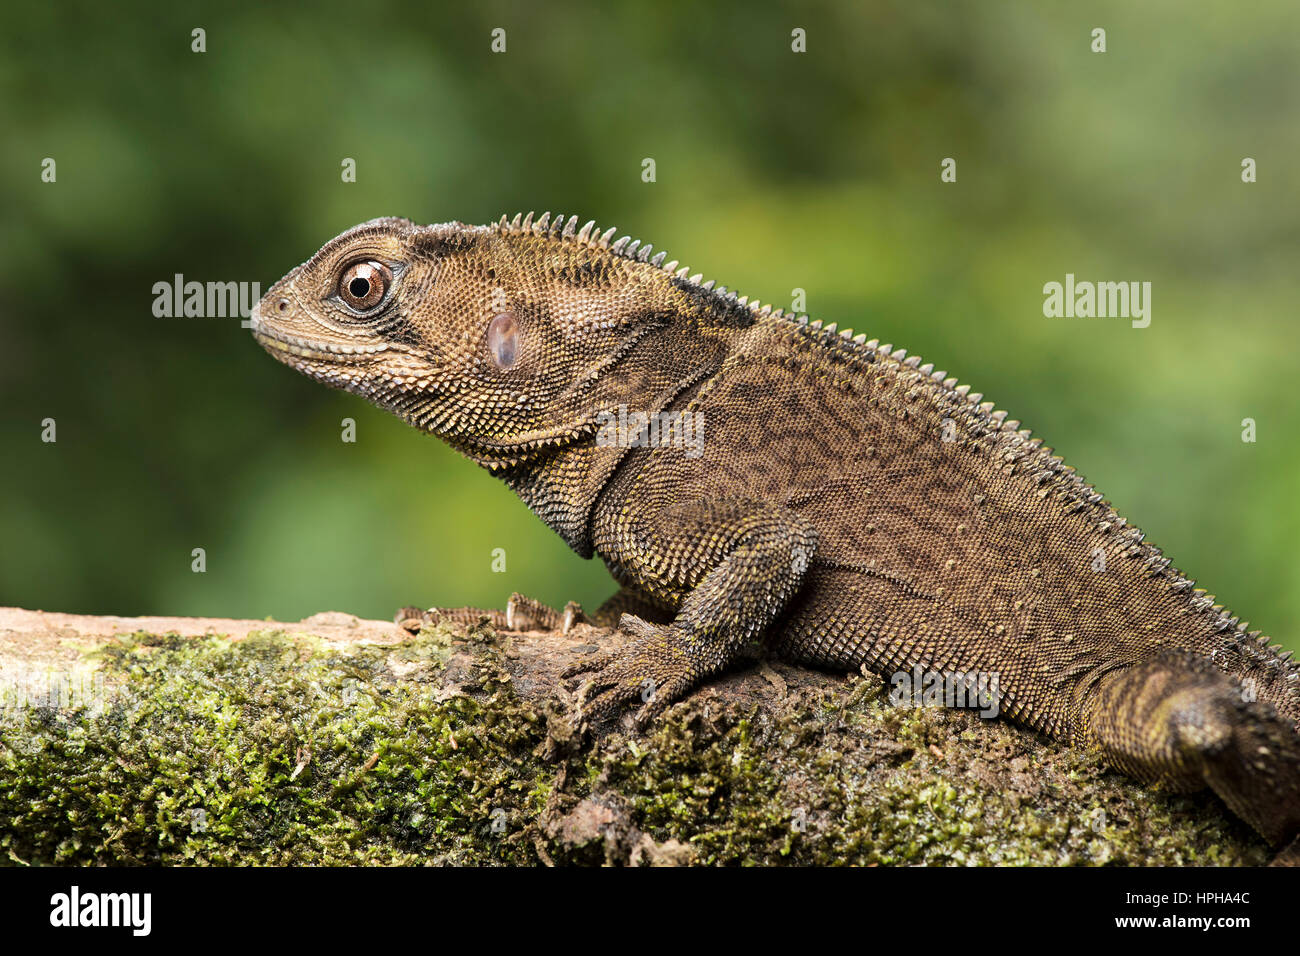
column 336, row 740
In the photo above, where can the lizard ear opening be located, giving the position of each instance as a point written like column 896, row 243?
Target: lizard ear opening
column 503, row 340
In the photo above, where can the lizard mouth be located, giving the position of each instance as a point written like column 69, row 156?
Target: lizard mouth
column 281, row 345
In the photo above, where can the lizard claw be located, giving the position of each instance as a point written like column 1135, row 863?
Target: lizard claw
column 572, row 614
column 524, row 614
column 654, row 668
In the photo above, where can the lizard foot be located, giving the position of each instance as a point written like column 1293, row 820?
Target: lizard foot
column 522, row 613
column 656, row 668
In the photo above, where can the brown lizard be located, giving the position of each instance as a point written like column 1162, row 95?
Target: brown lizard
column 750, row 475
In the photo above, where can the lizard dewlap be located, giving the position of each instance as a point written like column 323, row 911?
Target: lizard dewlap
column 749, row 475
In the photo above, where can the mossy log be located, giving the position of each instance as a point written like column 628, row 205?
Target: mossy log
column 343, row 741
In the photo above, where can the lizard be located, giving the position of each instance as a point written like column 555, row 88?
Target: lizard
column 848, row 507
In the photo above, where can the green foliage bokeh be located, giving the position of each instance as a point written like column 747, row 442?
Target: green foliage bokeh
column 775, row 170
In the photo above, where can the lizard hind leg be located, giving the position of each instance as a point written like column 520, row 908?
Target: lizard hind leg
column 1179, row 720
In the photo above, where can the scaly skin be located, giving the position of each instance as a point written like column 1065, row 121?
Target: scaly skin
column 850, row 506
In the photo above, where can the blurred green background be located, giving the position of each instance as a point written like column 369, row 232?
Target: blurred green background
column 775, row 170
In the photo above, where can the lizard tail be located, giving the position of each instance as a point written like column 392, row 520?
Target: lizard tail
column 1179, row 720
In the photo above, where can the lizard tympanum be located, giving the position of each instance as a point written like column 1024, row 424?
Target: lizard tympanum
column 848, row 506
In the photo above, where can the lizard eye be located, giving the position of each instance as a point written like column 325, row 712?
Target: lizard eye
column 503, row 340
column 364, row 285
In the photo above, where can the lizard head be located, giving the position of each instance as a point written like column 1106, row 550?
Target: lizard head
column 496, row 338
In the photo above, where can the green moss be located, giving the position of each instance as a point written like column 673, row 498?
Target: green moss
column 283, row 750
column 845, row 778
column 271, row 750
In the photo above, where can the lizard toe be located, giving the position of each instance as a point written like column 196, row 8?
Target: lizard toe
column 590, row 663
column 597, row 702
column 653, row 669
column 660, row 700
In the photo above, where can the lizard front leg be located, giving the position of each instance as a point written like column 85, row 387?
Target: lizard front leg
column 730, row 566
